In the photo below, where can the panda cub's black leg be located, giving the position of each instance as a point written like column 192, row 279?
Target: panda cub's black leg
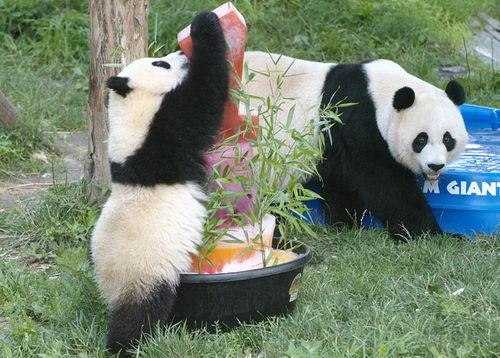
column 130, row 319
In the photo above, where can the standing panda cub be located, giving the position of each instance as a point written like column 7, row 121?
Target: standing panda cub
column 398, row 127
column 164, row 114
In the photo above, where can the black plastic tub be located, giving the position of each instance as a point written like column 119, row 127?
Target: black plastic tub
column 228, row 299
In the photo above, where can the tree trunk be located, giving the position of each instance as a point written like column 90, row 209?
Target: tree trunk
column 8, row 113
column 118, row 35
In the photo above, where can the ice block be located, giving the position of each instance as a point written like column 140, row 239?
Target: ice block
column 238, row 158
column 229, row 252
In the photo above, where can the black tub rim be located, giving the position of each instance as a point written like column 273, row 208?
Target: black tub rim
column 305, row 256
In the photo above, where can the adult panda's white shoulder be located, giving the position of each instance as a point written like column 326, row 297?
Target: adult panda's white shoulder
column 292, row 81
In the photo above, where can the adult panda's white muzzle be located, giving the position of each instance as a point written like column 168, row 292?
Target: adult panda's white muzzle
column 434, row 171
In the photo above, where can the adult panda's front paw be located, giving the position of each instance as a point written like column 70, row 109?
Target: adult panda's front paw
column 206, row 26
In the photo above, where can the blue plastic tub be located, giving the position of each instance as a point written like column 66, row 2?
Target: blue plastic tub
column 466, row 200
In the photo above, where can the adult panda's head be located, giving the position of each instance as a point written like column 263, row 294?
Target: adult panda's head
column 136, row 94
column 428, row 131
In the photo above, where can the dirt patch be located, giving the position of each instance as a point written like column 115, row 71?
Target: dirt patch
column 67, row 168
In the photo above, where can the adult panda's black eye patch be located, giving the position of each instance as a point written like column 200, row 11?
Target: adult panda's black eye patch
column 449, row 142
column 420, row 142
column 162, row 64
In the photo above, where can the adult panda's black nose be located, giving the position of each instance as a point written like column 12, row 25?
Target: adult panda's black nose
column 435, row 167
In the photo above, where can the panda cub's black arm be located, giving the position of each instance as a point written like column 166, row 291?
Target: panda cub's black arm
column 204, row 92
column 209, row 72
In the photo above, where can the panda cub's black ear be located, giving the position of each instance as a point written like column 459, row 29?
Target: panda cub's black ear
column 119, row 85
column 403, row 98
column 455, row 92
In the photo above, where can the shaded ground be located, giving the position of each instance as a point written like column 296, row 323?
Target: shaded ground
column 66, row 168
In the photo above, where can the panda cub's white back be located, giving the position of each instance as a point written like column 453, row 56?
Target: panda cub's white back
column 142, row 237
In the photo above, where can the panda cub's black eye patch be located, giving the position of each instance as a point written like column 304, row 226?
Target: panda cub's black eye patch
column 420, row 142
column 163, row 64
column 449, row 142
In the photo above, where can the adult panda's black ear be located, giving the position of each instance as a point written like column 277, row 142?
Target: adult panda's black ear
column 455, row 92
column 119, row 85
column 403, row 98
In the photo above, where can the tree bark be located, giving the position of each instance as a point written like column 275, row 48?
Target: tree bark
column 118, row 35
column 8, row 113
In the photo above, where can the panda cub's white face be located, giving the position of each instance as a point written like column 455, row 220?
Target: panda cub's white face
column 136, row 95
column 430, row 134
column 156, row 76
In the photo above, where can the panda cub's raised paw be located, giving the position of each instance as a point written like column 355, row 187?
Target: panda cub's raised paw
column 205, row 25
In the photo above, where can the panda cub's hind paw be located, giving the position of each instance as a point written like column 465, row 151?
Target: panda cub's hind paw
column 205, row 25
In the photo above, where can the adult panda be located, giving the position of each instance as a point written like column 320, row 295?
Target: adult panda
column 399, row 127
column 164, row 114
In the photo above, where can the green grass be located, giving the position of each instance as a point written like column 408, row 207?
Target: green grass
column 44, row 51
column 363, row 295
column 46, row 104
column 45, row 226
